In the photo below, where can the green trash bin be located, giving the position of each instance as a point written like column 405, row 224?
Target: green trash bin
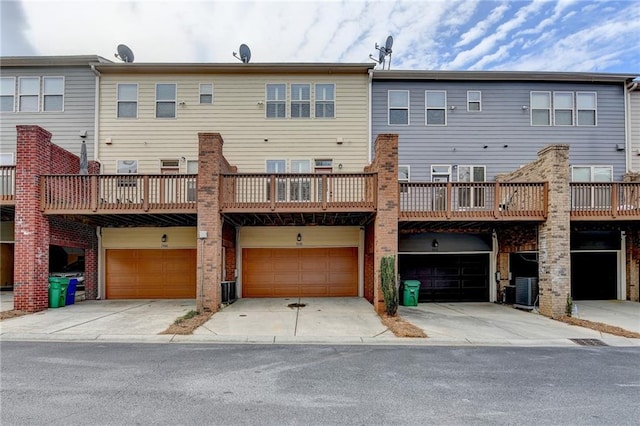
column 64, row 285
column 57, row 294
column 410, row 293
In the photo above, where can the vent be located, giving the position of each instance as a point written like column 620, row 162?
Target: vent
column 589, row 342
column 526, row 292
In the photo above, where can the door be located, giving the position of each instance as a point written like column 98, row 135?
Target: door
column 298, row 272
column 471, row 196
column 440, row 174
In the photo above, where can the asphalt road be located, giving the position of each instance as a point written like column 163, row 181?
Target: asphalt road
column 114, row 383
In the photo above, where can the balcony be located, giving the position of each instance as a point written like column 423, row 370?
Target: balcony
column 118, row 194
column 7, row 185
column 605, row 201
column 298, row 193
column 473, row 201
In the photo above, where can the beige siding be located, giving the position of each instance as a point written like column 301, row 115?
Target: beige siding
column 149, row 238
column 634, row 135
column 317, row 236
column 238, row 114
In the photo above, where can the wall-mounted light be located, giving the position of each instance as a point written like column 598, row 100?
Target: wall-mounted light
column 525, row 107
column 164, row 238
column 299, row 237
column 452, row 107
column 435, row 244
column 340, row 166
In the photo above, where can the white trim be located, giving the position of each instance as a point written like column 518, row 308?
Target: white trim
column 19, row 109
column 408, row 108
column 299, row 101
column 479, row 102
column 438, row 108
column 200, row 93
column 175, row 101
column 572, row 108
column 531, row 108
column 13, row 95
column 118, row 99
column 316, row 100
column 595, row 109
column 44, row 95
column 266, row 100
column 431, row 173
column 12, row 159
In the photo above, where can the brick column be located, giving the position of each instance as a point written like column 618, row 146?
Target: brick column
column 31, row 258
column 554, row 234
column 210, row 163
column 385, row 225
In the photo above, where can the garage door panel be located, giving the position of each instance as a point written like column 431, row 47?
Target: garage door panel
column 311, row 272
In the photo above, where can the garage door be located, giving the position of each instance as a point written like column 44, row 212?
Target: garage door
column 151, row 274
column 310, row 272
column 448, row 277
column 594, row 276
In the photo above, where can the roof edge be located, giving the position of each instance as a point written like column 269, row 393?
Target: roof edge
column 501, row 75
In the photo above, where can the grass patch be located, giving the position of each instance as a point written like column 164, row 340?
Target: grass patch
column 188, row 322
column 598, row 326
column 402, row 328
column 12, row 314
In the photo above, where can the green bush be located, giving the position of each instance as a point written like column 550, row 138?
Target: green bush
column 389, row 287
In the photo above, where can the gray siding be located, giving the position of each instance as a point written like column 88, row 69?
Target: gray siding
column 634, row 130
column 501, row 122
column 65, row 126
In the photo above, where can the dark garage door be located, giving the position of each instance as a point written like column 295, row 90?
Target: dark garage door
column 448, row 277
column 593, row 276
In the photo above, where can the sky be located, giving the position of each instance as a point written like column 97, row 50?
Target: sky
column 517, row 35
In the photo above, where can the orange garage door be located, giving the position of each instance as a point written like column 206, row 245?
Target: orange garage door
column 310, row 272
column 151, row 274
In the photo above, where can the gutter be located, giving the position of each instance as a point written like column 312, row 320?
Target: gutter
column 96, row 117
column 369, row 114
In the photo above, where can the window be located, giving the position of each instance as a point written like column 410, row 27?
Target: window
column 7, row 94
column 398, row 101
column 127, row 100
column 436, row 108
column 403, row 176
column 586, row 102
column 474, row 99
column 276, row 100
column 471, row 196
column 126, row 167
column 165, row 100
column 206, row 93
column 593, row 195
column 563, row 108
column 540, row 108
column 192, row 183
column 29, row 94
column 300, row 101
column 325, row 101
column 300, row 189
column 6, row 179
column 440, row 174
column 277, row 166
column 169, row 167
column 53, row 93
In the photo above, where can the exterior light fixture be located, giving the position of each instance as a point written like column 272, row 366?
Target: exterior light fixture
column 435, row 244
column 299, row 237
column 164, row 238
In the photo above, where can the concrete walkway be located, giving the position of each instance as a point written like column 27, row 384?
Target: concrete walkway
column 619, row 313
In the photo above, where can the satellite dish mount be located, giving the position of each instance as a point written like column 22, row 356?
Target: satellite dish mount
column 124, row 53
column 245, row 54
column 383, row 52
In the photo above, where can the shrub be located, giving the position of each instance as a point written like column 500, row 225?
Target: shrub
column 389, row 287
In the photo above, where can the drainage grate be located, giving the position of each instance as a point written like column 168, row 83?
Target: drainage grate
column 589, row 342
column 296, row 305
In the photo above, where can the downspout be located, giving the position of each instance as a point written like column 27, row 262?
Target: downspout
column 96, row 112
column 99, row 262
column 627, row 125
column 369, row 118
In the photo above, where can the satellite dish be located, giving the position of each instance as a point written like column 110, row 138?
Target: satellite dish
column 124, row 53
column 388, row 44
column 245, row 54
column 381, row 56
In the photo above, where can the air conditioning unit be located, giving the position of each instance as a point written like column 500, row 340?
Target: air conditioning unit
column 526, row 292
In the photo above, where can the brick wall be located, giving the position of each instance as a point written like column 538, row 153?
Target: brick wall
column 511, row 240
column 34, row 232
column 633, row 263
column 552, row 166
column 385, row 225
column 229, row 244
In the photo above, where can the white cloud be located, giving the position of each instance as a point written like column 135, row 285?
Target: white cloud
column 481, row 28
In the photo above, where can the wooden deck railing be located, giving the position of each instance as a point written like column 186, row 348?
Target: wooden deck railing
column 118, row 194
column 298, row 192
column 605, row 200
column 7, row 184
column 431, row 201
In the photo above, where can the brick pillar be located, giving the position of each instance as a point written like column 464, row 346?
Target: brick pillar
column 385, row 225
column 210, row 163
column 32, row 234
column 633, row 264
column 554, row 233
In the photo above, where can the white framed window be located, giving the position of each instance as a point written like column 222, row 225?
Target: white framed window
column 594, row 195
column 53, row 94
column 192, row 184
column 586, row 105
column 169, row 167
column 300, row 100
column 28, row 94
column 435, row 107
column 471, row 196
column 277, row 166
column 398, row 104
column 404, row 174
column 192, row 167
column 325, row 100
column 7, row 94
column 7, row 186
column 300, row 187
column 541, row 108
column 563, row 108
column 474, row 100
column 166, row 94
column 126, row 167
column 127, row 100
column 6, row 159
column 276, row 100
column 440, row 173
column 206, row 93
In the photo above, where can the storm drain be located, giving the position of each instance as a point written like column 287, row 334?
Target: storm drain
column 589, row 342
column 296, row 305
